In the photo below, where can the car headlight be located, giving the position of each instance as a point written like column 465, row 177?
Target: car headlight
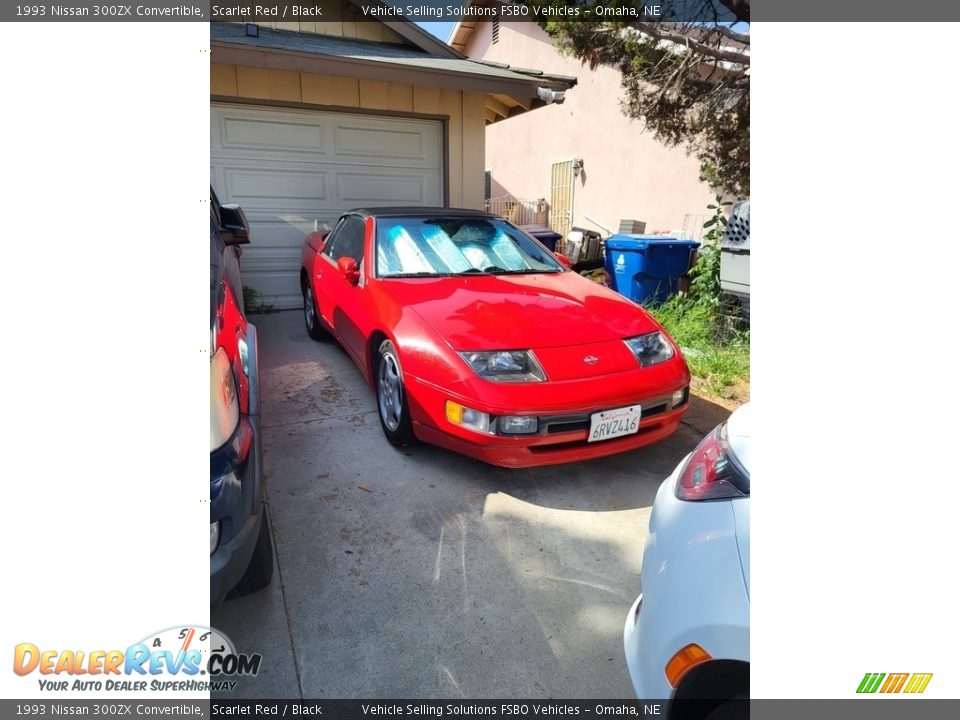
column 516, row 366
column 651, row 348
column 214, row 535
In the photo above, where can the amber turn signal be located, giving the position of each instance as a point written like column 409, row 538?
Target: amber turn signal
column 683, row 661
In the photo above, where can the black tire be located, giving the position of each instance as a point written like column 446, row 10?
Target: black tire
column 392, row 406
column 260, row 570
column 311, row 318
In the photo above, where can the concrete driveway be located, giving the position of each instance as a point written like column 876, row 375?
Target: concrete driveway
column 420, row 573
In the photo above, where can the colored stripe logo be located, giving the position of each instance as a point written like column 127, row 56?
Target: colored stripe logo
column 894, row 682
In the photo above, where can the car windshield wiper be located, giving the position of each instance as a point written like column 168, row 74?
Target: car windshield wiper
column 418, row 275
column 527, row 271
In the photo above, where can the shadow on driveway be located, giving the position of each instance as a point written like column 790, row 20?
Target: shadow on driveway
column 421, row 573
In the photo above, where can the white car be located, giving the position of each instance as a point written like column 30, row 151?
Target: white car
column 688, row 634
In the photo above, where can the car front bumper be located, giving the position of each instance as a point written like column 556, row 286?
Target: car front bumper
column 693, row 590
column 647, row 684
column 236, row 502
column 564, row 419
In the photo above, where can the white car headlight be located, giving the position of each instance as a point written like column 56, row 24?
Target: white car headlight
column 651, row 348
column 511, row 366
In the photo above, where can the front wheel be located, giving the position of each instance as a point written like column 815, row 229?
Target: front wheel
column 394, row 410
column 310, row 316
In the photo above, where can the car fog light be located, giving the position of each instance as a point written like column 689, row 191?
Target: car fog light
column 518, row 424
column 467, row 417
column 679, row 397
column 214, row 535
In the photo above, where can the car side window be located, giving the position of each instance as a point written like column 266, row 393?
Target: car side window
column 332, row 238
column 347, row 240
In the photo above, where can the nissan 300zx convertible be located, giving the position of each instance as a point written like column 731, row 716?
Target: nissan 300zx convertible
column 478, row 339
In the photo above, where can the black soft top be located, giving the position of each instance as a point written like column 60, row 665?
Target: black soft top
column 421, row 211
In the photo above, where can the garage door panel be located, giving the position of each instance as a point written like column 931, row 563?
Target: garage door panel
column 273, row 260
column 292, row 168
column 274, row 221
column 271, row 135
column 379, row 143
column 274, row 287
column 284, row 232
column 269, row 274
column 262, row 188
column 368, row 189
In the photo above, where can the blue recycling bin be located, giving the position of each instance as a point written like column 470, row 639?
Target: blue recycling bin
column 647, row 268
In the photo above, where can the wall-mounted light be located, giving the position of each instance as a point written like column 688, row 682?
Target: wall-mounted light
column 577, row 167
column 550, row 96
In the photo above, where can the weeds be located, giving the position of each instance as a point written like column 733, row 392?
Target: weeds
column 715, row 341
column 721, row 365
column 253, row 302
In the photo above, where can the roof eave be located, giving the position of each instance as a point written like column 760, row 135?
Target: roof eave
column 422, row 39
column 381, row 69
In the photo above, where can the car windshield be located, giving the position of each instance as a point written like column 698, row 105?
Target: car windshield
column 434, row 247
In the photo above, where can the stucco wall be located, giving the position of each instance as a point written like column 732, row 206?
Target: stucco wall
column 627, row 174
column 464, row 110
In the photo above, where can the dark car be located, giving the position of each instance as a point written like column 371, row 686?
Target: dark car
column 241, row 552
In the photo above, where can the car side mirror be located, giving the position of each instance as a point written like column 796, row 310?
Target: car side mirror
column 234, row 221
column 564, row 260
column 348, row 268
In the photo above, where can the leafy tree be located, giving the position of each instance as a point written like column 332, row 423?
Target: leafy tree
column 688, row 80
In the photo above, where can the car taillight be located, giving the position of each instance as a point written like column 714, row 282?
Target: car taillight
column 712, row 472
column 224, row 408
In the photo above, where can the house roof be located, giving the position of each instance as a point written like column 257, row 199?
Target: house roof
column 411, row 32
column 510, row 90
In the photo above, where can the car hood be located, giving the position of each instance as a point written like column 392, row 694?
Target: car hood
column 512, row 312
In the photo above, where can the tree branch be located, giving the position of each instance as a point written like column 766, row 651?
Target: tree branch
column 692, row 44
column 742, row 38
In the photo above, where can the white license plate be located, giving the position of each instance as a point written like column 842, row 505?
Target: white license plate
column 614, row 423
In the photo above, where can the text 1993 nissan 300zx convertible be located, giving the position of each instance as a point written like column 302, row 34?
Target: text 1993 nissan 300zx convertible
column 478, row 339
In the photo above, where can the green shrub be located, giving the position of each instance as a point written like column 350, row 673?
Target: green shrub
column 714, row 340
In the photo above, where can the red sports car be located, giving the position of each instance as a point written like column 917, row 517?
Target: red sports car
column 478, row 339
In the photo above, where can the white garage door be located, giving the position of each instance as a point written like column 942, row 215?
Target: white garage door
column 290, row 168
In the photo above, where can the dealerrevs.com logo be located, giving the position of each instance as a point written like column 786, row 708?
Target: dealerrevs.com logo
column 910, row 683
column 181, row 659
